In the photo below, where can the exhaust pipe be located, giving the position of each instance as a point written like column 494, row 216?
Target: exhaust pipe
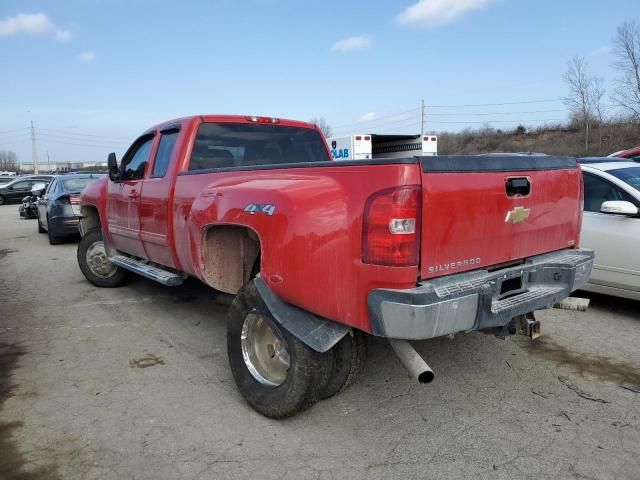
column 412, row 361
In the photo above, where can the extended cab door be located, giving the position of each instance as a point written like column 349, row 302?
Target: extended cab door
column 123, row 198
column 156, row 201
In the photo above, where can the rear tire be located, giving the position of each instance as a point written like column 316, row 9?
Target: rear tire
column 53, row 239
column 277, row 374
column 93, row 262
column 2, row 200
column 349, row 358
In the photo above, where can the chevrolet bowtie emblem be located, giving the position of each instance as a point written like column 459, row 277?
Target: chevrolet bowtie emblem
column 517, row 215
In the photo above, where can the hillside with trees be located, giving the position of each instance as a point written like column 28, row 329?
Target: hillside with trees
column 600, row 122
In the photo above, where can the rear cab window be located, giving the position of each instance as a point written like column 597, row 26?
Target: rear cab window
column 224, row 145
column 165, row 150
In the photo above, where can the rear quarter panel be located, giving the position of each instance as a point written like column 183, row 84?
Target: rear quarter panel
column 311, row 245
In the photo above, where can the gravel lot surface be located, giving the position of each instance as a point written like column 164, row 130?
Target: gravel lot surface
column 134, row 383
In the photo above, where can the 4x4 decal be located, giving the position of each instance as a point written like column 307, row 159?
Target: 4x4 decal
column 267, row 209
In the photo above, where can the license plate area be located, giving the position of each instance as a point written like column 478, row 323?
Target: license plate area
column 511, row 286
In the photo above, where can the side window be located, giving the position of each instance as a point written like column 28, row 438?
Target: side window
column 22, row 186
column 135, row 163
column 165, row 149
column 50, row 188
column 598, row 190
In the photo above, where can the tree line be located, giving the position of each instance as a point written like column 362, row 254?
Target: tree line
column 8, row 161
column 587, row 93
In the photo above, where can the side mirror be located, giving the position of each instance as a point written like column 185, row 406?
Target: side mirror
column 112, row 164
column 618, row 207
column 38, row 189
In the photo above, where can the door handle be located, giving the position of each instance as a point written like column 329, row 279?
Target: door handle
column 133, row 194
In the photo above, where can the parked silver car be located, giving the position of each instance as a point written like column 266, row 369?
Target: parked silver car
column 611, row 225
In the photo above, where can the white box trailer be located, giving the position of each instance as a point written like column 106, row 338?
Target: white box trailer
column 368, row 146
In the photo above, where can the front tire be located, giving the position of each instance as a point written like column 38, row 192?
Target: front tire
column 2, row 200
column 277, row 374
column 94, row 264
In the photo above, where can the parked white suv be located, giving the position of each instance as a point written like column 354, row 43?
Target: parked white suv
column 611, row 225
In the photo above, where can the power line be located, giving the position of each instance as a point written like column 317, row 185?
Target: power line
column 81, row 144
column 504, row 121
column 446, row 114
column 376, row 122
column 14, row 130
column 15, row 140
column 548, row 100
column 77, row 139
column 378, row 118
column 417, row 119
column 74, row 133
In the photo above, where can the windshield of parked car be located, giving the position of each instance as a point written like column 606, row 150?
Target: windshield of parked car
column 77, row 184
column 220, row 145
column 629, row 175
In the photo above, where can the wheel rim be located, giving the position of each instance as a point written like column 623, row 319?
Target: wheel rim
column 264, row 350
column 98, row 262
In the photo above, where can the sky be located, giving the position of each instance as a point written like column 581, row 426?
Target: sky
column 93, row 74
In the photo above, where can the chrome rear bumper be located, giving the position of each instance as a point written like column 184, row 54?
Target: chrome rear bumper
column 477, row 300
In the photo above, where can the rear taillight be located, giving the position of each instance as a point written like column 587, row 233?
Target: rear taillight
column 74, row 199
column 391, row 227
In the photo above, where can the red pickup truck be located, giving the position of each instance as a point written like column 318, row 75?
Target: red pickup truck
column 319, row 253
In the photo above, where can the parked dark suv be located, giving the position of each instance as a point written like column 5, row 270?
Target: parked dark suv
column 17, row 189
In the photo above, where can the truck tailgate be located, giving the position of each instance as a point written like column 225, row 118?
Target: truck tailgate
column 482, row 211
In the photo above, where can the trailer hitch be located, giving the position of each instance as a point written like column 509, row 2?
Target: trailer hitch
column 528, row 325
column 522, row 324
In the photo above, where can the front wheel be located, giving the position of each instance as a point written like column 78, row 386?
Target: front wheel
column 94, row 263
column 276, row 373
column 2, row 200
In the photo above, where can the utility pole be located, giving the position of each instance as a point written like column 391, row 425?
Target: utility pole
column 34, row 155
column 422, row 119
column 48, row 163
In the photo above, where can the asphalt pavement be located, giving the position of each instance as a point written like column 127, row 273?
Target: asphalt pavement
column 133, row 383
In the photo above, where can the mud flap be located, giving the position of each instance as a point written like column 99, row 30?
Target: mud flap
column 316, row 332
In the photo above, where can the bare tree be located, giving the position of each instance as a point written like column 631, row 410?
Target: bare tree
column 598, row 90
column 627, row 51
column 580, row 97
column 323, row 125
column 8, row 161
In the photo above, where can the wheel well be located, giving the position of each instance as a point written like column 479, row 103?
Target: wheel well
column 231, row 257
column 90, row 219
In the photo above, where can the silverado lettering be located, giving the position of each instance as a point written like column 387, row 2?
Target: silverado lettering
column 353, row 247
column 454, row 264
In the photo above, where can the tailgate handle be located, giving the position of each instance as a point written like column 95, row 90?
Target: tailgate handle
column 518, row 186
